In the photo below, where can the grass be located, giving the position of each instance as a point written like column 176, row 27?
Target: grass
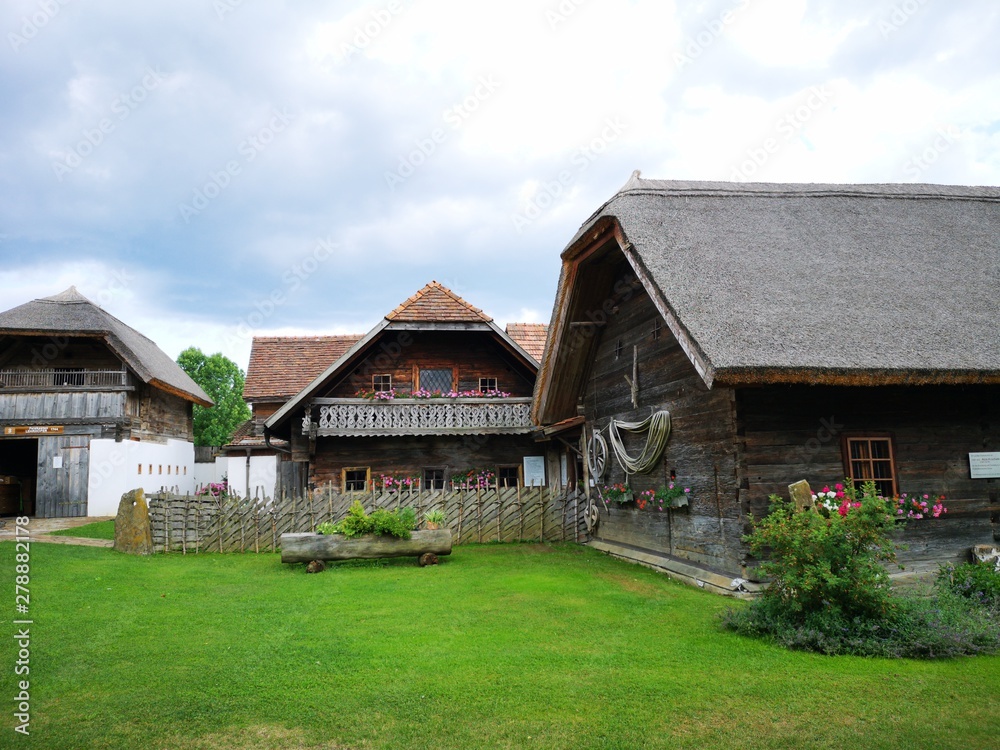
column 95, row 530
column 500, row 646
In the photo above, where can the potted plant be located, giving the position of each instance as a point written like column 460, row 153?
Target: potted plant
column 433, row 519
column 663, row 498
column 617, row 493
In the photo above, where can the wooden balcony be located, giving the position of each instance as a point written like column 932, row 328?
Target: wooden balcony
column 64, row 379
column 342, row 417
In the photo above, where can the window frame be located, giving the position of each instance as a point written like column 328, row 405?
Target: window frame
column 380, row 387
column 518, row 480
column 421, row 369
column 343, row 478
column 849, row 438
column 487, row 389
column 427, row 484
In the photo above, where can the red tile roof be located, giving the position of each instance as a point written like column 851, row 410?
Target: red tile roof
column 281, row 366
column 529, row 336
column 436, row 303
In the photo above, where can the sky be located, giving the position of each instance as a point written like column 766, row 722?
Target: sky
column 212, row 170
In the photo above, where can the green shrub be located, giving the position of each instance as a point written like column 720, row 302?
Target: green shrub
column 382, row 522
column 912, row 628
column 978, row 583
column 822, row 561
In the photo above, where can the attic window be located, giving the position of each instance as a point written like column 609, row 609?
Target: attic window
column 435, row 380
column 381, row 383
column 487, row 385
column 657, row 327
column 618, row 349
column 871, row 458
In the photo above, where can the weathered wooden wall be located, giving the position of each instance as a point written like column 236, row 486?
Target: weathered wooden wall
column 795, row 432
column 62, row 491
column 163, row 415
column 47, row 352
column 188, row 523
column 701, row 450
column 411, row 455
column 473, row 354
column 61, row 407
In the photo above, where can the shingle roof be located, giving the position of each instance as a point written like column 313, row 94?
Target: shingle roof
column 70, row 313
column 890, row 281
column 250, row 435
column 436, row 303
column 530, row 337
column 281, row 366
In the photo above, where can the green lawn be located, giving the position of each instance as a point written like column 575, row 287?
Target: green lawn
column 95, row 530
column 515, row 646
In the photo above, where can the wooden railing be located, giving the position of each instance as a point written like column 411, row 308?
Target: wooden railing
column 60, row 378
column 434, row 416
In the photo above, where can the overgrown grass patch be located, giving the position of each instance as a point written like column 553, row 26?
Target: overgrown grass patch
column 500, row 646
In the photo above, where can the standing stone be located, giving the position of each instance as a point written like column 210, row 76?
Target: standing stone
column 133, row 535
column 801, row 494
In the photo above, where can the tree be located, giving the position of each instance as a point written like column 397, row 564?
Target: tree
column 223, row 381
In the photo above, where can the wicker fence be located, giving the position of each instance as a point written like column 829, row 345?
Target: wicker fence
column 198, row 523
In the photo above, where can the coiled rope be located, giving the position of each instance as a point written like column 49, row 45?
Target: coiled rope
column 658, row 426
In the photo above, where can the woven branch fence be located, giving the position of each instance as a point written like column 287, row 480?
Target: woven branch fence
column 200, row 523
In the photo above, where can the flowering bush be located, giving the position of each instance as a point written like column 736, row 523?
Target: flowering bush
column 920, row 506
column 914, row 506
column 617, row 493
column 662, row 497
column 215, row 489
column 475, row 479
column 397, row 482
column 422, row 393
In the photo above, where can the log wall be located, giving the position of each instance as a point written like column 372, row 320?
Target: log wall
column 701, row 449
column 472, row 355
column 411, row 455
column 795, row 432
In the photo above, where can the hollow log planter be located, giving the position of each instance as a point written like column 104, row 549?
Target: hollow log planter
column 307, row 547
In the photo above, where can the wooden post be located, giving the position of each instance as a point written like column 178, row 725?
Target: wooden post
column 520, row 515
column 541, row 505
column 479, row 514
column 184, row 530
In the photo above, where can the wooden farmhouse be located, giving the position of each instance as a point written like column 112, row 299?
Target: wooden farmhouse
column 789, row 332
column 89, row 407
column 434, row 391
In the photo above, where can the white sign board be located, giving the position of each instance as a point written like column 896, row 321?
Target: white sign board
column 534, row 471
column 57, row 462
column 984, row 465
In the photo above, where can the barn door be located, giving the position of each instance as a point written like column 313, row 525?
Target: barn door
column 63, row 473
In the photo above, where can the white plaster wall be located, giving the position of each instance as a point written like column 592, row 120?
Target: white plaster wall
column 263, row 475
column 116, row 468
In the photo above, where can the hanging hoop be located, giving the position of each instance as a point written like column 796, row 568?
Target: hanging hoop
column 597, row 455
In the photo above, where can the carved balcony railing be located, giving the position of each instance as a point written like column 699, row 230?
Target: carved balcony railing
column 65, row 378
column 435, row 416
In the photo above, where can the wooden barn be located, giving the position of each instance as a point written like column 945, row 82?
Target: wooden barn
column 771, row 333
column 435, row 390
column 87, row 405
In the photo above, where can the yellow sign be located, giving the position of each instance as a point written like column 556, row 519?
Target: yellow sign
column 34, row 430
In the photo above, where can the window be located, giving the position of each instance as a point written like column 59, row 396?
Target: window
column 488, row 385
column 355, row 479
column 871, row 458
column 435, row 380
column 68, row 376
column 507, row 476
column 381, row 383
column 433, row 479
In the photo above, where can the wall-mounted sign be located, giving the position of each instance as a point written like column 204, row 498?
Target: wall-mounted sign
column 34, row 430
column 534, row 471
column 984, row 465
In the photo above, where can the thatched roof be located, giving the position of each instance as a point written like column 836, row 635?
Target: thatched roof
column 72, row 314
column 820, row 283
